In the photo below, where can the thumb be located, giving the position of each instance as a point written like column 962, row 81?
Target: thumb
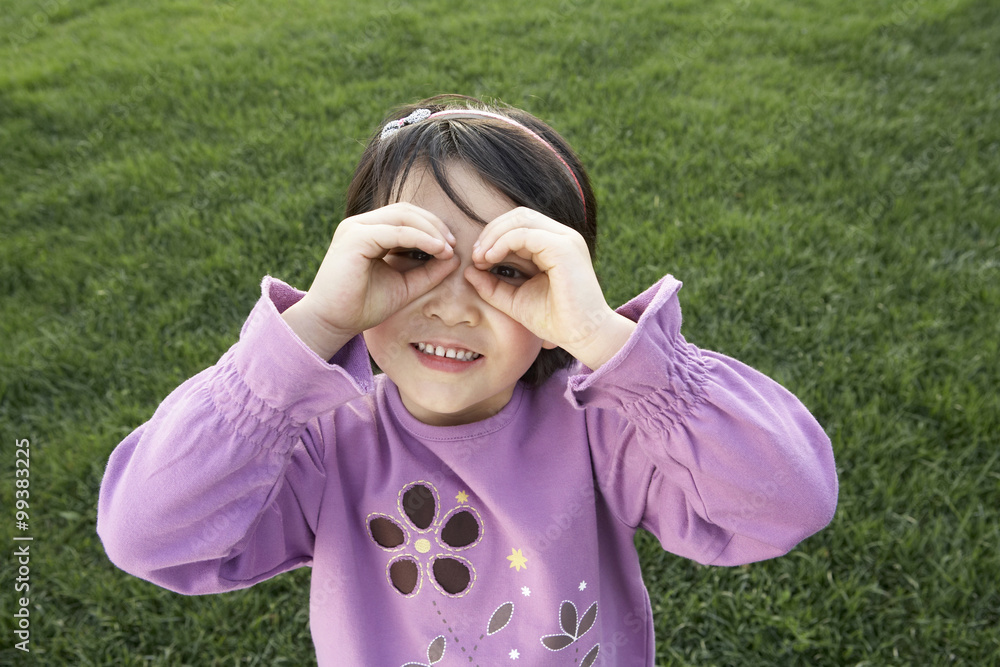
column 422, row 279
column 502, row 296
column 492, row 290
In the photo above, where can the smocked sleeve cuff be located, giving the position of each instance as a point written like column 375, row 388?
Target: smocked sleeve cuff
column 657, row 378
column 271, row 371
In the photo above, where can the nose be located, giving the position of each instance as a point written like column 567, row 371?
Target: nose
column 454, row 301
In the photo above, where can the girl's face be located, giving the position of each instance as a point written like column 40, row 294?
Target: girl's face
column 486, row 352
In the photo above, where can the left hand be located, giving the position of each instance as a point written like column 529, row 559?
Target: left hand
column 556, row 296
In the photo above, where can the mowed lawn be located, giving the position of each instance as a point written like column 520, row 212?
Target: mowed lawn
column 823, row 176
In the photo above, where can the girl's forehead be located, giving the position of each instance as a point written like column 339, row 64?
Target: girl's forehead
column 422, row 189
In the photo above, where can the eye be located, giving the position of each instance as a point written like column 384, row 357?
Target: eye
column 509, row 274
column 415, row 255
column 403, row 259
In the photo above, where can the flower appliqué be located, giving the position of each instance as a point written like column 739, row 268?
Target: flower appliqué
column 428, row 545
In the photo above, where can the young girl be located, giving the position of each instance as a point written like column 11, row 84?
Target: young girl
column 474, row 503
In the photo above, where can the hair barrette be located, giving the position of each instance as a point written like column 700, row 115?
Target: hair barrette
column 394, row 126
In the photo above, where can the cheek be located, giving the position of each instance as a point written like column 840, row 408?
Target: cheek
column 530, row 352
column 521, row 343
column 382, row 346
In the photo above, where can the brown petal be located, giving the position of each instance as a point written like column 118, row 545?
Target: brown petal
column 451, row 574
column 386, row 532
column 418, row 504
column 460, row 529
column 404, row 575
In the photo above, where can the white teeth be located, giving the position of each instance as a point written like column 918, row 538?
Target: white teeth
column 450, row 353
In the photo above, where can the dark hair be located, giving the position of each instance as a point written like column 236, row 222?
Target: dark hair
column 506, row 157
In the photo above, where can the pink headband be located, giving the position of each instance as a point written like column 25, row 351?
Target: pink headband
column 419, row 115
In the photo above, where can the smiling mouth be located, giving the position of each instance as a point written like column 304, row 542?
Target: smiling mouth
column 447, row 352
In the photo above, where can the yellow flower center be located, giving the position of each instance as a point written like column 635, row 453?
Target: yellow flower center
column 422, row 545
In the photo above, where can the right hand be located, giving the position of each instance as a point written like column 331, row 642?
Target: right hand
column 356, row 289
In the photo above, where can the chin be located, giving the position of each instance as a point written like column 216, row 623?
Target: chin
column 445, row 412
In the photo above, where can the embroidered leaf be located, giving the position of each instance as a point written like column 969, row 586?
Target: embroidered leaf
column 587, row 621
column 419, row 505
column 414, row 664
column 557, row 642
column 567, row 618
column 500, row 618
column 589, row 659
column 436, row 650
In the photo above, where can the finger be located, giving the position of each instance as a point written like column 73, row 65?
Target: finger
column 541, row 247
column 407, row 214
column 420, row 280
column 376, row 241
column 492, row 290
column 520, row 217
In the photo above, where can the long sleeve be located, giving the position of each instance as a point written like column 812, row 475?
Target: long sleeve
column 221, row 488
column 720, row 462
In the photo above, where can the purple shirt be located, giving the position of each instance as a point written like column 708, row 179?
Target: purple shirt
column 504, row 539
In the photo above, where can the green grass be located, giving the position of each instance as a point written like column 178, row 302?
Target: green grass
column 822, row 175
